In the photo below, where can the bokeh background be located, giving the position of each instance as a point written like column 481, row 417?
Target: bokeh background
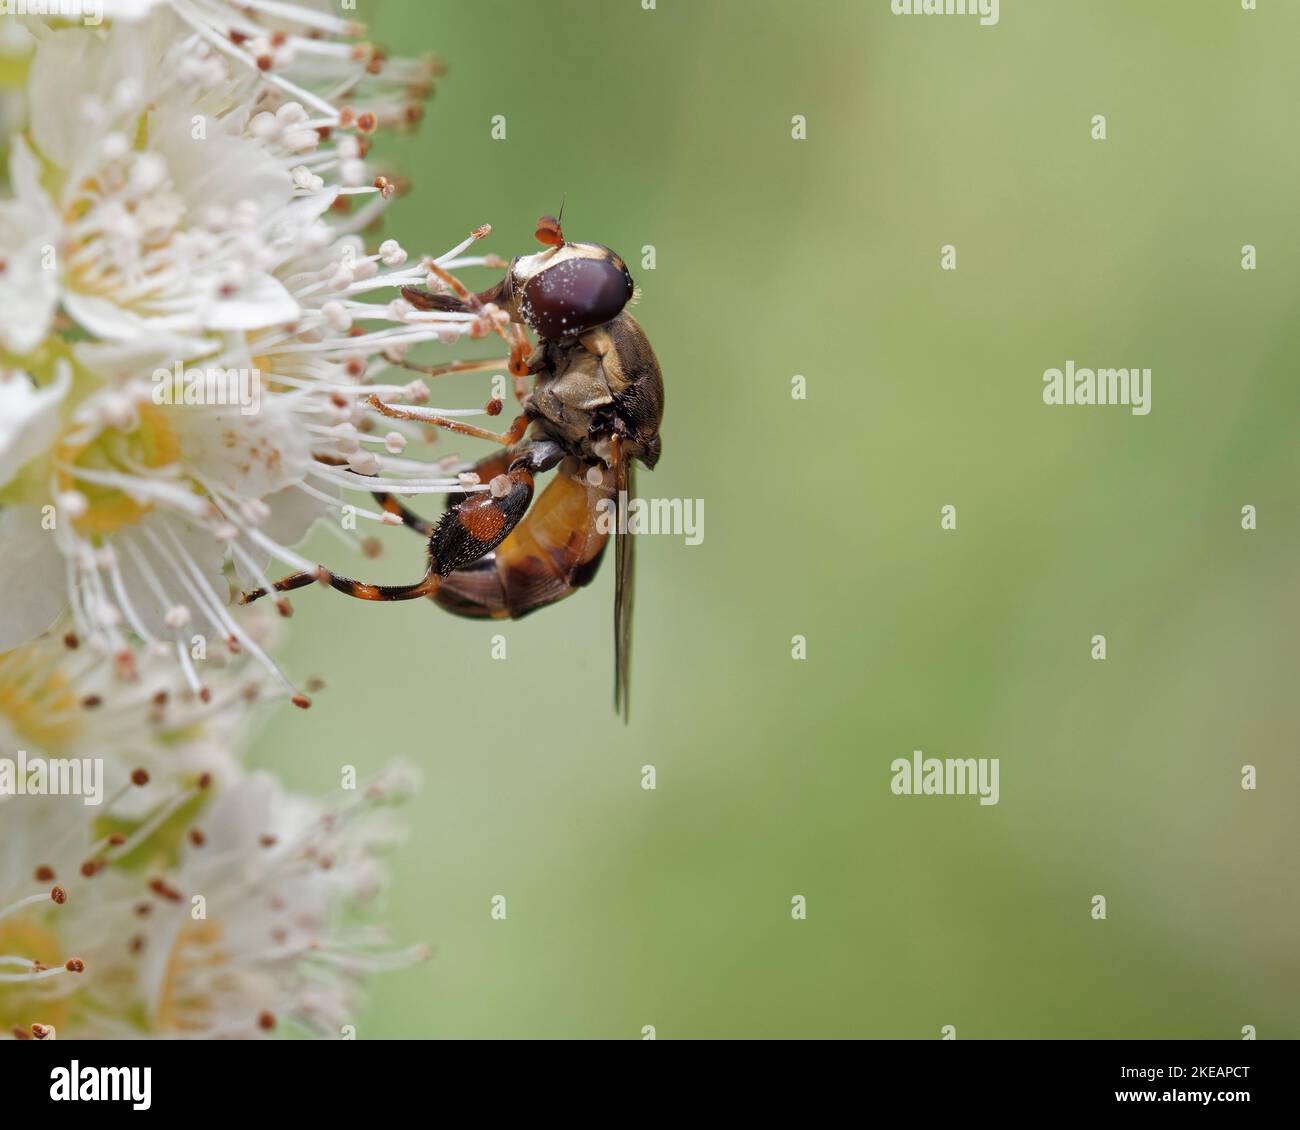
column 777, row 257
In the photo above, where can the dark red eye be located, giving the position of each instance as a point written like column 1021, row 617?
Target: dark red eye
column 576, row 295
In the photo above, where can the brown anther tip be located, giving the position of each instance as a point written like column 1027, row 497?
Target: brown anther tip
column 139, row 778
column 144, row 909
column 372, row 548
column 162, row 889
column 136, row 944
column 71, row 642
column 22, row 1033
column 284, row 608
column 160, row 698
column 482, row 231
column 315, row 684
column 267, row 841
column 366, row 122
column 279, row 39
column 116, row 839
column 237, row 37
column 266, row 1021
column 59, row 896
column 91, row 701
column 42, row 1031
column 74, row 965
column 346, row 117
column 205, row 694
column 197, row 838
column 44, row 874
column 232, row 645
column 493, row 406
column 91, row 867
column 264, row 62
column 301, row 701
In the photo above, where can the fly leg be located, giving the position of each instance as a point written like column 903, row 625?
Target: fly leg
column 467, row 531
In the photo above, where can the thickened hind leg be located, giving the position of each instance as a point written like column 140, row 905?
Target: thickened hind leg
column 465, row 533
column 487, row 469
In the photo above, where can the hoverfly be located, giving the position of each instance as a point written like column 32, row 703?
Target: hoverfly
column 594, row 408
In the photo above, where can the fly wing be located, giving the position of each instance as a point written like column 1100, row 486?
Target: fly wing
column 623, row 588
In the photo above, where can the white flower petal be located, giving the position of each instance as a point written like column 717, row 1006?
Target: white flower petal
column 28, row 292
column 30, row 565
column 262, row 302
column 250, row 455
column 29, row 418
column 218, row 170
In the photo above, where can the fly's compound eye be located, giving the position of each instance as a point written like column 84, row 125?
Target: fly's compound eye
column 576, row 295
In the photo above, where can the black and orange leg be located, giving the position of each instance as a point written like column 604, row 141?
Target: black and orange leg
column 487, row 469
column 522, row 362
column 460, row 300
column 466, row 532
column 427, row 586
column 411, row 520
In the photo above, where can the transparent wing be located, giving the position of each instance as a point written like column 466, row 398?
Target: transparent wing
column 624, row 555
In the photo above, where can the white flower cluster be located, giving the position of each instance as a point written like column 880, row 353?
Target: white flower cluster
column 188, row 200
column 188, row 348
column 175, row 894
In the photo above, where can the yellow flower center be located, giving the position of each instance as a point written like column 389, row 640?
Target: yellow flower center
column 22, row 1005
column 179, row 1007
column 37, row 702
column 152, row 444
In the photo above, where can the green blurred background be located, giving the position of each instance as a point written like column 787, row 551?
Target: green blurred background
column 777, row 257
